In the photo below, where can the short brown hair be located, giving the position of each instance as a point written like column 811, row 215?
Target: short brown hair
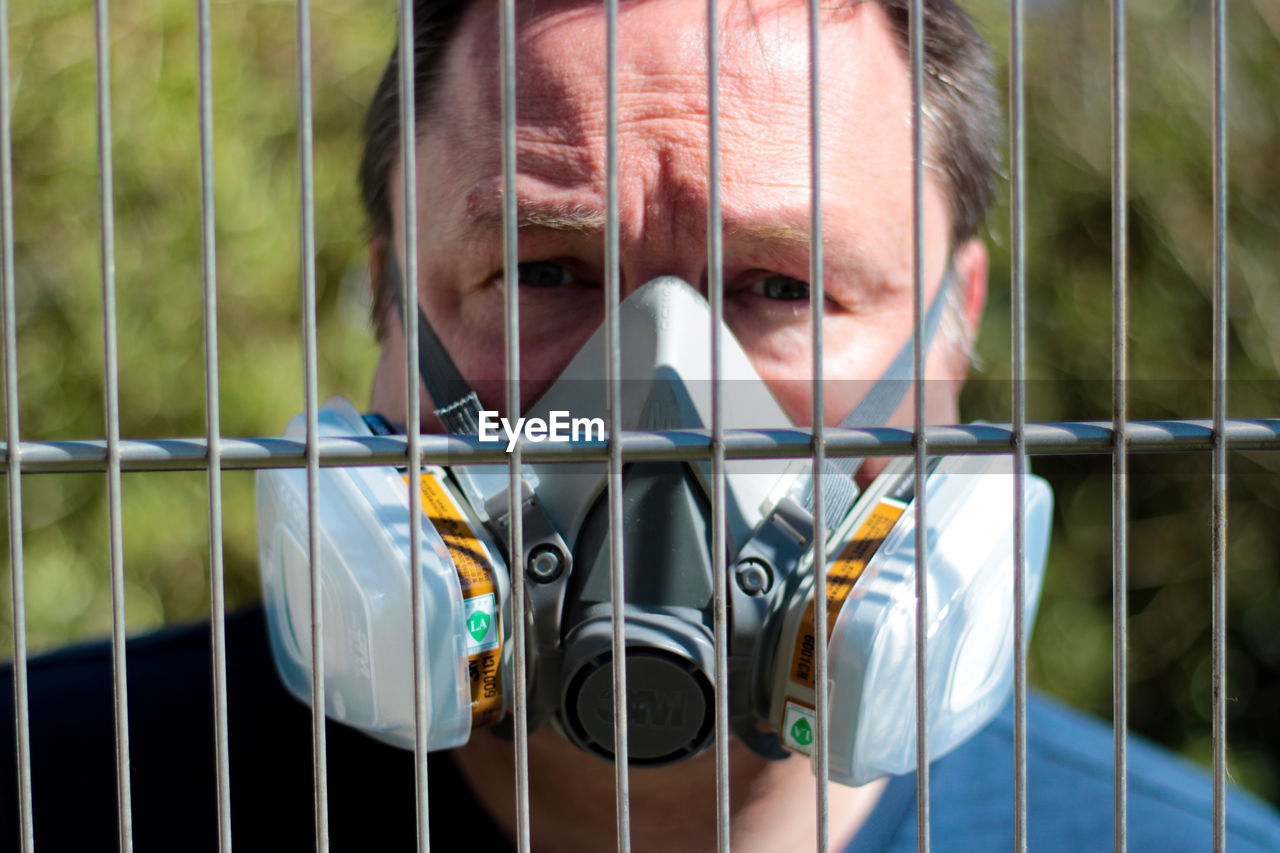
column 961, row 112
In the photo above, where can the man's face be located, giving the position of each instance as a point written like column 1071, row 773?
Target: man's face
column 663, row 194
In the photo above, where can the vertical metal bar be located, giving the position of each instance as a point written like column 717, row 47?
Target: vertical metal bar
column 111, row 376
column 613, row 364
column 308, row 263
column 816, row 296
column 916, row 57
column 511, row 287
column 719, row 546
column 412, row 418
column 213, row 426
column 1220, row 329
column 1119, row 422
column 22, row 718
column 1018, row 336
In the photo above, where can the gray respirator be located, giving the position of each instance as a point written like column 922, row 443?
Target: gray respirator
column 364, row 565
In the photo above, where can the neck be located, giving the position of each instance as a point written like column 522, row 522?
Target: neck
column 772, row 805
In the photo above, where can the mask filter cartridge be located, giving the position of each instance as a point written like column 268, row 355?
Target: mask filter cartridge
column 365, row 595
column 871, row 613
column 669, row 648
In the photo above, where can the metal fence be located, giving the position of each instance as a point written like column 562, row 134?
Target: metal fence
column 214, row 453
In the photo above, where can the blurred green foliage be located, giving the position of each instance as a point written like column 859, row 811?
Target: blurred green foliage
column 158, row 275
column 1069, row 328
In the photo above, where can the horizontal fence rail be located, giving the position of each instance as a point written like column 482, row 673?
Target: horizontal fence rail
column 1041, row 439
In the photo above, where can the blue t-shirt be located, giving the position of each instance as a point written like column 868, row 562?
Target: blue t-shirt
column 1070, row 784
column 371, row 785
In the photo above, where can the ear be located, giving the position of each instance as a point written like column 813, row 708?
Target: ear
column 377, row 283
column 971, row 266
column 377, row 250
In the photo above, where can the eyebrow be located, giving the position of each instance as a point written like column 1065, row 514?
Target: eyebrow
column 550, row 216
column 486, row 215
column 768, row 233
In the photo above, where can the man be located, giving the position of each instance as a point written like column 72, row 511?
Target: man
column 663, row 196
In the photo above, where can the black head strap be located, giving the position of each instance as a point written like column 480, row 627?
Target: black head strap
column 456, row 404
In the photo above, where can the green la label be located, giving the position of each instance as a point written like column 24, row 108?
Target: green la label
column 801, row 733
column 797, row 727
column 480, row 621
column 478, row 626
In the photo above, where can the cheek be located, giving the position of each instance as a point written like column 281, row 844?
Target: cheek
column 777, row 341
column 855, row 355
column 782, row 359
column 466, row 329
column 554, row 325
column 548, row 342
column 472, row 327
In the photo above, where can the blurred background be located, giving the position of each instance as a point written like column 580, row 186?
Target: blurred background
column 257, row 196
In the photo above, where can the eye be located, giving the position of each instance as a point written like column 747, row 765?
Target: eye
column 783, row 288
column 545, row 274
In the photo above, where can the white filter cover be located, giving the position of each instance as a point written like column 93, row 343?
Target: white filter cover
column 365, row 595
column 970, row 622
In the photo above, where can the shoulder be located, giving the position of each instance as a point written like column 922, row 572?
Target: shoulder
column 1070, row 784
column 172, row 753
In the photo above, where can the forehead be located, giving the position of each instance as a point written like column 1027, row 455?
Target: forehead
column 662, row 50
column 662, row 97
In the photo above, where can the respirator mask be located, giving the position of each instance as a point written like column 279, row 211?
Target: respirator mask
column 364, row 565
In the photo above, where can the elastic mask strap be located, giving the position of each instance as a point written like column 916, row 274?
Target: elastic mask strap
column 458, row 407
column 378, row 425
column 874, row 410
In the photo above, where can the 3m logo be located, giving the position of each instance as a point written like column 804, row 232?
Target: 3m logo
column 652, row 709
column 480, row 623
column 655, row 710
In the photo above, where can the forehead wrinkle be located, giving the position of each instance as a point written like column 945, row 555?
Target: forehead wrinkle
column 758, row 40
column 554, row 151
column 766, row 46
column 549, row 109
column 765, row 59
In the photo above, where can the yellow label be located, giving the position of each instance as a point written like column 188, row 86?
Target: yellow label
column 841, row 576
column 482, row 628
column 797, row 726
